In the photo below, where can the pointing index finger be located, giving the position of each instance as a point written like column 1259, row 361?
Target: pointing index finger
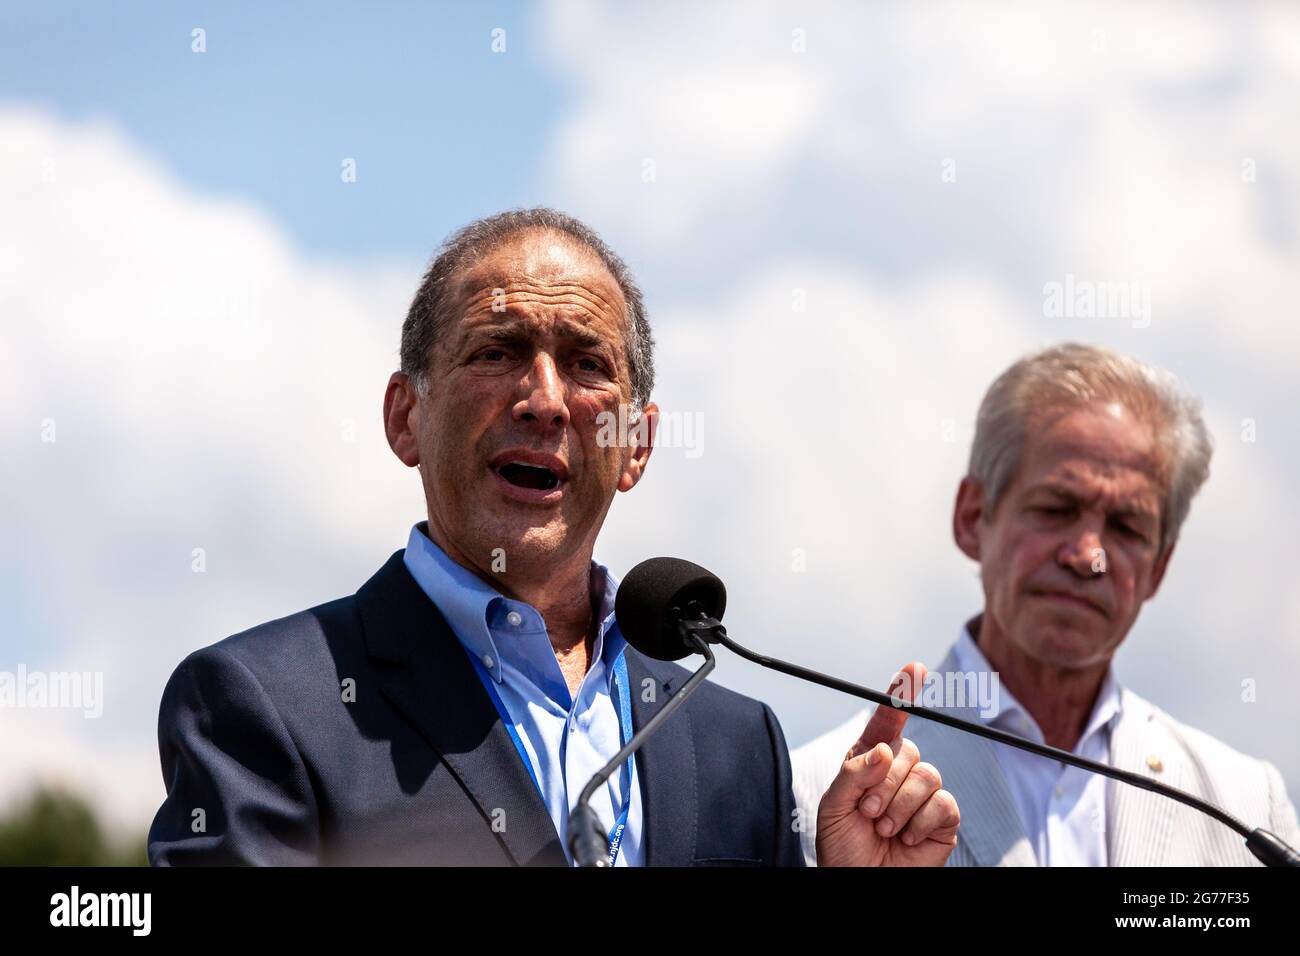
column 887, row 722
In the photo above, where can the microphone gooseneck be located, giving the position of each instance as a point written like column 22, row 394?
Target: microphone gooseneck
column 586, row 836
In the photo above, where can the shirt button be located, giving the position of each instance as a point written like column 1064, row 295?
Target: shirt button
column 488, row 662
column 1060, row 791
column 515, row 618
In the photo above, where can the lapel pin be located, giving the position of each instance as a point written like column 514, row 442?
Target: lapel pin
column 1155, row 763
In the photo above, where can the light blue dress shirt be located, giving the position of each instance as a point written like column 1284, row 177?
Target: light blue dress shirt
column 567, row 739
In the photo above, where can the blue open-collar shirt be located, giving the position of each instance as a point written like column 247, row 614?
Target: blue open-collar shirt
column 567, row 739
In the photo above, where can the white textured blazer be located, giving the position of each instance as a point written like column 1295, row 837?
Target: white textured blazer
column 1143, row 828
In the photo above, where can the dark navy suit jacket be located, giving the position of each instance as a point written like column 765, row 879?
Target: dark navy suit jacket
column 266, row 763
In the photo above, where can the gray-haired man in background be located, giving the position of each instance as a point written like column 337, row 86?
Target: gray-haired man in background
column 1083, row 468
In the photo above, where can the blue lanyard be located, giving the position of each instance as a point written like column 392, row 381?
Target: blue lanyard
column 625, row 734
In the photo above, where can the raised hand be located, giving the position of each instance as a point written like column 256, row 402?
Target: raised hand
column 886, row 807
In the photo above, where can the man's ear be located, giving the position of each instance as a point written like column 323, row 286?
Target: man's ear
column 966, row 514
column 641, row 442
column 1158, row 573
column 401, row 417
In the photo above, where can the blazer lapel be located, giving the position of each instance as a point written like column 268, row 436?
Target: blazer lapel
column 1139, row 822
column 431, row 682
column 665, row 765
column 990, row 824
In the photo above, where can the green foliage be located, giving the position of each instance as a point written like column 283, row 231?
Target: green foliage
column 57, row 828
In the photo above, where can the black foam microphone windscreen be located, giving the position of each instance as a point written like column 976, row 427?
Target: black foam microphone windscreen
column 658, row 593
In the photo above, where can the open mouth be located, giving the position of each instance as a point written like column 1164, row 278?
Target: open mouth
column 528, row 476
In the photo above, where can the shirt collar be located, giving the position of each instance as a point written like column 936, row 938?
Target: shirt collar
column 1010, row 712
column 471, row 605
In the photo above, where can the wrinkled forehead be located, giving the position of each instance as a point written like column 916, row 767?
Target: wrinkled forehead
column 1101, row 448
column 541, row 267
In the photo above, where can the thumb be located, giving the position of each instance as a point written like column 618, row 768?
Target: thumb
column 887, row 723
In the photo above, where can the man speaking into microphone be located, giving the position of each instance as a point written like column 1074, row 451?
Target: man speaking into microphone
column 451, row 711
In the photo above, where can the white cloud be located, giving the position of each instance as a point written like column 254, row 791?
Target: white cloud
column 208, row 387
column 683, row 93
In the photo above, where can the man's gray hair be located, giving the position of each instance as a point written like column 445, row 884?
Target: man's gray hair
column 428, row 315
column 1045, row 384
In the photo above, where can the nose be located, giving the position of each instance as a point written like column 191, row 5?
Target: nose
column 1082, row 552
column 542, row 395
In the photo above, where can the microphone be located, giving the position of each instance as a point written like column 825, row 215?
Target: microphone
column 668, row 629
column 667, row 632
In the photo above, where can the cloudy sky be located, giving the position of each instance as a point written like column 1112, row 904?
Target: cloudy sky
column 844, row 218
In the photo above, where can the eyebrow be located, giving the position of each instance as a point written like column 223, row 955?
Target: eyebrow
column 1059, row 491
column 1062, row 491
column 517, row 332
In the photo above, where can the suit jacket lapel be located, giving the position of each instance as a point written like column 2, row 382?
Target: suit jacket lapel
column 665, row 765
column 1139, row 823
column 990, row 824
column 431, row 682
